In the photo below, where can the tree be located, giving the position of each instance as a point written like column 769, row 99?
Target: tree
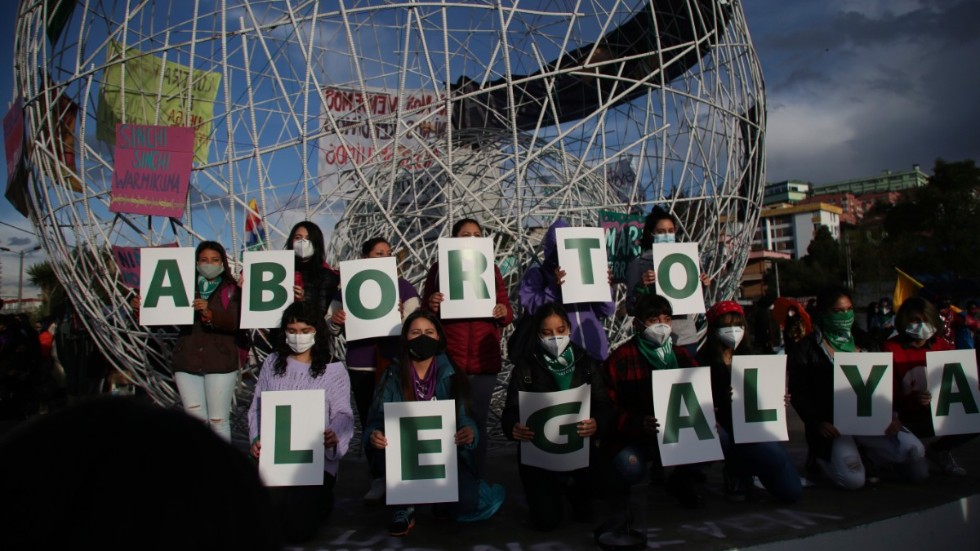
column 936, row 229
column 52, row 293
column 822, row 266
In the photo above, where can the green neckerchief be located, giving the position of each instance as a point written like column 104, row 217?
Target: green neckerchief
column 836, row 328
column 660, row 357
column 206, row 288
column 561, row 368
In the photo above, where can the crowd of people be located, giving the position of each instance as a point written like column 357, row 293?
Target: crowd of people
column 556, row 347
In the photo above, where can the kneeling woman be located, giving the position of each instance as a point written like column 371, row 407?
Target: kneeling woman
column 424, row 372
column 301, row 361
column 767, row 460
column 552, row 363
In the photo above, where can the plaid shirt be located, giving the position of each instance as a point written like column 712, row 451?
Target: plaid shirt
column 630, row 389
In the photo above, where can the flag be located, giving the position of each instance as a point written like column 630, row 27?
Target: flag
column 905, row 287
column 255, row 236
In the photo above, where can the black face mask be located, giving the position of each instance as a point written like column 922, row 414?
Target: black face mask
column 423, row 347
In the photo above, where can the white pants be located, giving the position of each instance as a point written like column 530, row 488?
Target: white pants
column 903, row 451
column 208, row 397
column 845, row 468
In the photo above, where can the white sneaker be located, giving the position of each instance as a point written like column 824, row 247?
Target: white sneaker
column 376, row 494
column 946, row 462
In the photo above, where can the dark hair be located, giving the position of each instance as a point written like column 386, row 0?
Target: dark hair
column 226, row 276
column 829, row 296
column 916, row 305
column 462, row 222
column 656, row 215
column 370, row 244
column 168, row 461
column 315, row 237
column 302, row 312
column 460, row 384
column 651, row 306
column 712, row 344
column 546, row 311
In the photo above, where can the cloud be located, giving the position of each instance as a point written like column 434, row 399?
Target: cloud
column 862, row 87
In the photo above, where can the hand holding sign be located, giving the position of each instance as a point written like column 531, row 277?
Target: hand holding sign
column 582, row 255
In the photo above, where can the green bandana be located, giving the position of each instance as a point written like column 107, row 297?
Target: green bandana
column 660, row 357
column 561, row 368
column 206, row 288
column 836, row 328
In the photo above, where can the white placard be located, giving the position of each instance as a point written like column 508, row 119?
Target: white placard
column 370, row 296
column 268, row 289
column 466, row 277
column 167, row 285
column 952, row 377
column 582, row 255
column 683, row 406
column 679, row 276
column 862, row 392
column 291, row 430
column 421, row 437
column 759, row 399
column 553, row 416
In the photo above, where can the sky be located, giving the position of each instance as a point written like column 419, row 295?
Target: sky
column 853, row 88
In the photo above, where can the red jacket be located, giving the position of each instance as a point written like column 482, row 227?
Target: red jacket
column 905, row 359
column 473, row 344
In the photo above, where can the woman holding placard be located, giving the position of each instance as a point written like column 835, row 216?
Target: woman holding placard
column 301, row 361
column 810, row 372
column 424, row 372
column 917, row 323
column 473, row 344
column 542, row 285
column 315, row 282
column 364, row 356
column 552, row 362
column 205, row 358
column 641, row 276
column 628, row 369
column 769, row 461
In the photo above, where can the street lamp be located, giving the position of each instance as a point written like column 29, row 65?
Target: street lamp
column 20, row 280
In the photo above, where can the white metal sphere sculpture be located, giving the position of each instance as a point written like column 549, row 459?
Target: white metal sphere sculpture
column 386, row 118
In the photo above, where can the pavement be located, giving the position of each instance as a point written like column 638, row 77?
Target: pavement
column 943, row 512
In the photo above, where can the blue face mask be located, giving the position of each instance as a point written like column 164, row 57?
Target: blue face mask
column 663, row 238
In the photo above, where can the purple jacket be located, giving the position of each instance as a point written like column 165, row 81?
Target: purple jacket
column 538, row 287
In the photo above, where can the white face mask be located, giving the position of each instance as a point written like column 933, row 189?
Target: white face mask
column 657, row 333
column 663, row 238
column 555, row 345
column 730, row 337
column 299, row 342
column 303, row 248
column 920, row 331
column 210, row 271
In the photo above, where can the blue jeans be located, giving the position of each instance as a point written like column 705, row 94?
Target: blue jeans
column 208, row 397
column 766, row 460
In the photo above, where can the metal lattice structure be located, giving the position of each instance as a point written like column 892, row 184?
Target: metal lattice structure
column 391, row 118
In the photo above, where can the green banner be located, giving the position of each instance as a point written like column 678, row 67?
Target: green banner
column 150, row 85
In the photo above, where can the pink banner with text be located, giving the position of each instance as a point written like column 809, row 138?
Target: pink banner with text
column 152, row 171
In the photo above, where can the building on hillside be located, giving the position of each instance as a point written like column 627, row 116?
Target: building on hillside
column 790, row 228
column 752, row 287
column 787, row 191
column 885, row 182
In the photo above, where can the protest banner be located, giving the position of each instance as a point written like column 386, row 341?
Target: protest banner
column 420, row 460
column 622, row 233
column 152, row 169
column 758, row 399
column 268, row 287
column 862, row 392
column 554, row 416
column 291, row 424
column 466, row 277
column 678, row 276
column 952, row 379
column 369, row 288
column 167, row 285
column 682, row 404
column 582, row 255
